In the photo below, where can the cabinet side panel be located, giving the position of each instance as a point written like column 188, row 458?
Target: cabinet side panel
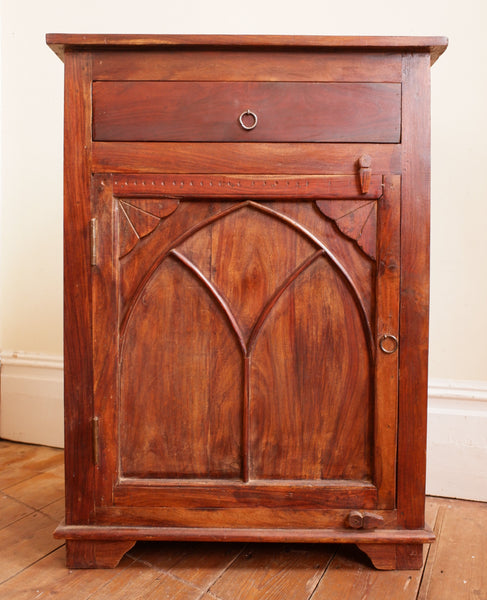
column 415, row 217
column 78, row 375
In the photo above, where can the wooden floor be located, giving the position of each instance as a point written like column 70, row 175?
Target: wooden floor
column 32, row 561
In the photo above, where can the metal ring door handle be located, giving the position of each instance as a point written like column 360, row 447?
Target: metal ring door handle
column 389, row 348
column 254, row 117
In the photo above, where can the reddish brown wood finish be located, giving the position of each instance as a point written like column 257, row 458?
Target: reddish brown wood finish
column 101, row 554
column 247, row 158
column 415, row 229
column 78, row 368
column 434, row 46
column 253, row 64
column 246, row 354
column 209, row 111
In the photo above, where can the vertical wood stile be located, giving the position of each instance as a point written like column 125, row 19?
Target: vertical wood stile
column 386, row 365
column 78, row 374
column 413, row 362
column 105, row 338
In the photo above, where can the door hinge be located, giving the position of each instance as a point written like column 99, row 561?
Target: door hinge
column 95, row 423
column 93, row 241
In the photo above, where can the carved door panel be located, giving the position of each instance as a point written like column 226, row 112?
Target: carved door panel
column 238, row 326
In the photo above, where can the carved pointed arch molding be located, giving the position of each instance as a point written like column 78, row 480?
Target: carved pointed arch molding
column 247, row 337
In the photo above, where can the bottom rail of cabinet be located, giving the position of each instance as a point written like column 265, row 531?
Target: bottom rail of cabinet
column 92, row 546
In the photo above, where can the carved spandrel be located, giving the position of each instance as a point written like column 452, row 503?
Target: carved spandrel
column 357, row 219
column 138, row 217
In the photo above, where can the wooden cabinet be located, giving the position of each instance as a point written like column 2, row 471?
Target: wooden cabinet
column 246, row 291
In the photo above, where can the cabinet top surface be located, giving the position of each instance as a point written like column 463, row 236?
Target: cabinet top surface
column 59, row 42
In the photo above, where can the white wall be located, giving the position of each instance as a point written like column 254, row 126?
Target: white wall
column 30, row 234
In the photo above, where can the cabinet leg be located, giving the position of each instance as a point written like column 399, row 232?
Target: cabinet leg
column 91, row 554
column 387, row 557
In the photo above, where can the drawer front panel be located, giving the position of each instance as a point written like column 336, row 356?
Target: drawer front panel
column 210, row 111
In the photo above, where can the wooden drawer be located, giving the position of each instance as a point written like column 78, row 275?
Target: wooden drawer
column 210, row 111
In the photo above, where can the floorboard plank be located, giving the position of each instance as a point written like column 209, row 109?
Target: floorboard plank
column 49, row 579
column 274, row 572
column 24, row 542
column 196, row 563
column 55, row 510
column 351, row 576
column 40, row 490
column 459, row 563
column 143, row 581
column 19, row 462
column 11, row 510
column 32, row 563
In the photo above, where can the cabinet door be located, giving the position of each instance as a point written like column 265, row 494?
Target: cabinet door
column 245, row 337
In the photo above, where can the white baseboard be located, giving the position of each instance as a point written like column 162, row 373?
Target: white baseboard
column 457, row 439
column 31, row 410
column 31, row 398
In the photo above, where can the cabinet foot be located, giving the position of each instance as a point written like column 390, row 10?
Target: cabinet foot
column 387, row 557
column 92, row 554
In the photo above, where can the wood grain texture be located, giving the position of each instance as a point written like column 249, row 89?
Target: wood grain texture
column 206, row 494
column 457, row 561
column 199, row 565
column 234, row 339
column 434, row 45
column 242, row 158
column 357, row 221
column 40, row 490
column 387, row 323
column 138, row 217
column 141, row 580
column 252, row 64
column 11, row 510
column 273, row 573
column 245, row 266
column 191, row 382
column 19, row 462
column 230, row 270
column 209, row 111
column 24, row 542
column 350, row 575
column 141, row 190
column 304, row 431
column 105, row 352
column 280, row 517
column 78, row 372
column 50, row 578
column 94, row 533
column 415, row 229
column 101, row 554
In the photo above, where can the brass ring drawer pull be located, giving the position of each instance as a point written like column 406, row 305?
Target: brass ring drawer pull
column 251, row 114
column 388, row 343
